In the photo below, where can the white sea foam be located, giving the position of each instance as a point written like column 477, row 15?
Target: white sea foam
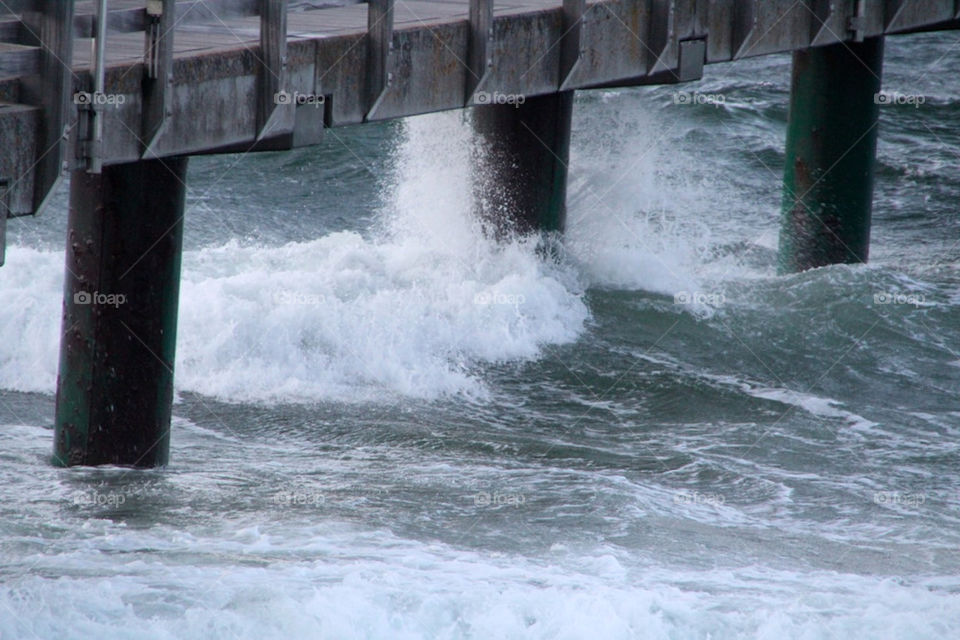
column 410, row 309
column 289, row 587
column 31, row 300
column 643, row 214
column 815, row 405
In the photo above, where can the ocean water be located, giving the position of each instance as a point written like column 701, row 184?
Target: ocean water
column 391, row 426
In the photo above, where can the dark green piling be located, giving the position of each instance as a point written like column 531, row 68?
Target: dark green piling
column 124, row 246
column 831, row 146
column 523, row 152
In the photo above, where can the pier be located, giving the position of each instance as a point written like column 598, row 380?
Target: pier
column 118, row 94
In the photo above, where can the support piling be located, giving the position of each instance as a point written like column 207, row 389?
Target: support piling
column 124, row 246
column 524, row 149
column 830, row 151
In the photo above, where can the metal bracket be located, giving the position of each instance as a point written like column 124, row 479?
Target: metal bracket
column 572, row 48
column 158, row 70
column 692, row 55
column 92, row 148
column 273, row 51
column 480, row 55
column 89, row 146
column 379, row 53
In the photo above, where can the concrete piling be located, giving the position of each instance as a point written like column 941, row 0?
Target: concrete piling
column 124, row 246
column 831, row 146
column 524, row 149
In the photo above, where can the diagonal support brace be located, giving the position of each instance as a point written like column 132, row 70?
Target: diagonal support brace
column 572, row 40
column 379, row 53
column 480, row 55
column 158, row 71
column 273, row 103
